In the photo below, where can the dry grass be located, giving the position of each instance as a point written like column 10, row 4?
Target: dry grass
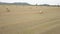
column 28, row 20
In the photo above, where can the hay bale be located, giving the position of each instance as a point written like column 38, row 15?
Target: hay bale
column 41, row 12
column 8, row 10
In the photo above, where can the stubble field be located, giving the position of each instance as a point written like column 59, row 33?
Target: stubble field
column 28, row 20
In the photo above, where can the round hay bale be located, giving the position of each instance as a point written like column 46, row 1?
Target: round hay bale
column 41, row 12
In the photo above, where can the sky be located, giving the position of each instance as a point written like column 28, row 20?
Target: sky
column 51, row 2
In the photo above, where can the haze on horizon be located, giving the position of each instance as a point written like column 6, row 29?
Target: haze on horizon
column 51, row 2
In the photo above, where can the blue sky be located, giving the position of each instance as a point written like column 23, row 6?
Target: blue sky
column 52, row 2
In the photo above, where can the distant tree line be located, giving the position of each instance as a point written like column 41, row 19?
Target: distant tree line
column 15, row 3
column 23, row 3
column 50, row 5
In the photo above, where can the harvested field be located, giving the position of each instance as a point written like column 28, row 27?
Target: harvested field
column 28, row 20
